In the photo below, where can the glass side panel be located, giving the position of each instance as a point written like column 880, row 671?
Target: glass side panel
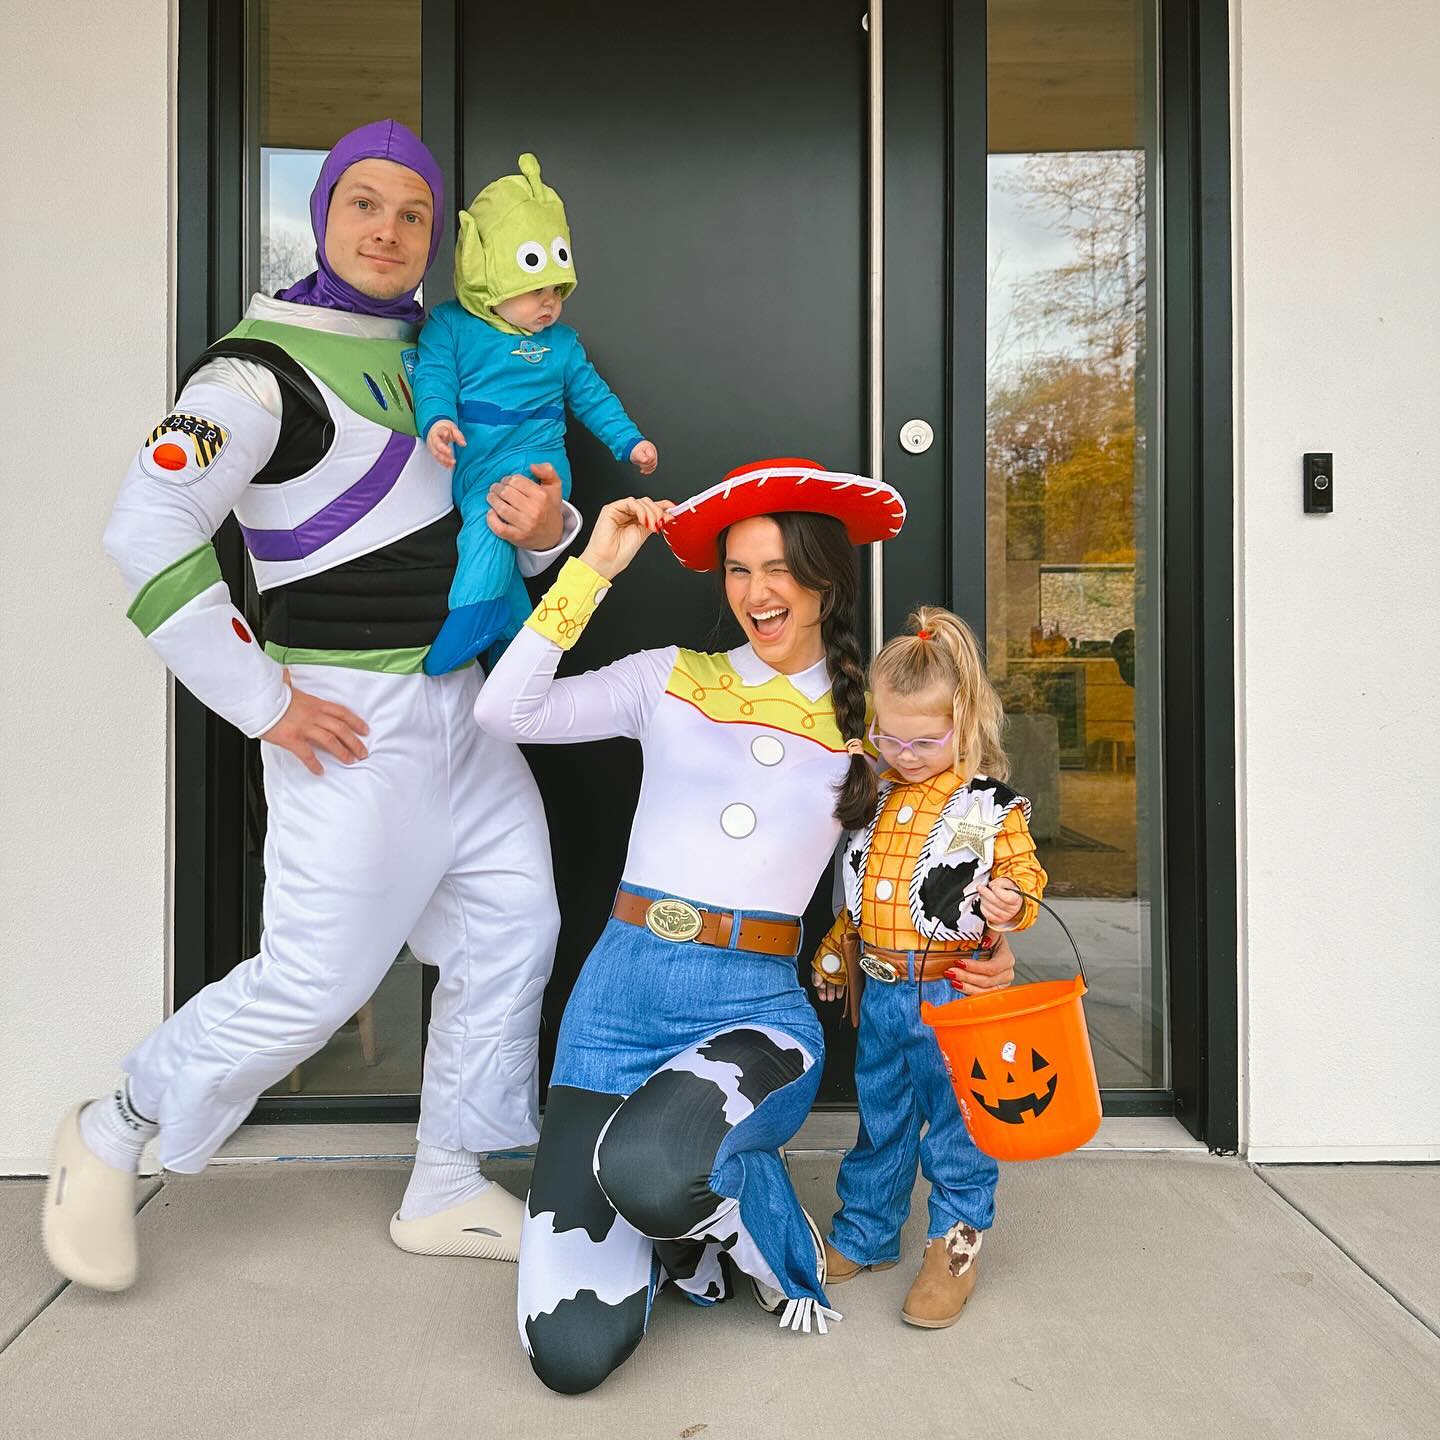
column 1073, row 491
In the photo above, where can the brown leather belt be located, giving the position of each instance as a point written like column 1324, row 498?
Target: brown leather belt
column 888, row 966
column 679, row 921
column 874, row 962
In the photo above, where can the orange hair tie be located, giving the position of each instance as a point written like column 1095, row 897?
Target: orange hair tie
column 922, row 634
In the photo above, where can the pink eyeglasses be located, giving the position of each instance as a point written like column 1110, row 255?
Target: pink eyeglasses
column 926, row 748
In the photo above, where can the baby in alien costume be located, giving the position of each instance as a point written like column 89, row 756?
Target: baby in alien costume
column 495, row 374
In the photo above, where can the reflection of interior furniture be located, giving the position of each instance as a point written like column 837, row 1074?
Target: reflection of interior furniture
column 365, row 1023
column 1057, row 687
column 1093, row 706
column 1109, row 716
column 1110, row 753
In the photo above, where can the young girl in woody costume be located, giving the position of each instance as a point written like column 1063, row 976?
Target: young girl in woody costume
column 689, row 1054
column 946, row 853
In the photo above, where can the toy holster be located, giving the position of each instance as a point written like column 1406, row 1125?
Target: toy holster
column 854, row 975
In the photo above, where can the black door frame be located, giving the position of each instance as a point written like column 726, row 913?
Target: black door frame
column 1199, row 623
column 1198, row 681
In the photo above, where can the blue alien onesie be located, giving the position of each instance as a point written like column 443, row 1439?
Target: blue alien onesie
column 507, row 390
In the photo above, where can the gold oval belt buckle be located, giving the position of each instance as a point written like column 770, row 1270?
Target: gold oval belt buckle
column 877, row 969
column 673, row 920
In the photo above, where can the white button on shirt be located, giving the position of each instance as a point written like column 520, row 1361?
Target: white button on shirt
column 767, row 749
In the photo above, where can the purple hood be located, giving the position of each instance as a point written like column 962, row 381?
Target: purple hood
column 380, row 140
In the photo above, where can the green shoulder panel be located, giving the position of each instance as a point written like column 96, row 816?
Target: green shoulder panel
column 372, row 377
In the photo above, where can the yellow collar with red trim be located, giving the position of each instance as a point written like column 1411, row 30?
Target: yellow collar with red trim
column 741, row 689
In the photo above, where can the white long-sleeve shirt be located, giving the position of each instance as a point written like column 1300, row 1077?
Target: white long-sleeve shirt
column 741, row 763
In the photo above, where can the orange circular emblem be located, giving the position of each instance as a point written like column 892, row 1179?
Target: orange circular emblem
column 170, row 457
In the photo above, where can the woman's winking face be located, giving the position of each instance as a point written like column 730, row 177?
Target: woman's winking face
column 780, row 617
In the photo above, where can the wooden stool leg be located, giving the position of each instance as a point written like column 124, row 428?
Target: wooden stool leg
column 294, row 1082
column 366, row 1018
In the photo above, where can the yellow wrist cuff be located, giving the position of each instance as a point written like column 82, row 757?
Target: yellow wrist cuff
column 569, row 603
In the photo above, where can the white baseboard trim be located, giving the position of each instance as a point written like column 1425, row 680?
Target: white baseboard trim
column 825, row 1131
column 1341, row 1154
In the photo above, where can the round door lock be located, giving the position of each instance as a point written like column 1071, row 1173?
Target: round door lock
column 916, row 436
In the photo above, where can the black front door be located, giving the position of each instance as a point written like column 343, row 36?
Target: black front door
column 712, row 163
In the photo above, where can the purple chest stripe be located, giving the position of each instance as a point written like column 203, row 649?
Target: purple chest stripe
column 340, row 514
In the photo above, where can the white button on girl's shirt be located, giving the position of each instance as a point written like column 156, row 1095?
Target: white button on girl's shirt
column 906, row 815
column 767, row 749
column 737, row 821
column 884, row 890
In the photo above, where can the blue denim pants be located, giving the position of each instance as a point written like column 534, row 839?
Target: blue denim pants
column 903, row 1088
column 680, row 1073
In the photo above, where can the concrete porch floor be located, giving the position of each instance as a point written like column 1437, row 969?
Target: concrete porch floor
column 1122, row 1294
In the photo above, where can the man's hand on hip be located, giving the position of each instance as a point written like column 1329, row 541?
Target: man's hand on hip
column 310, row 723
column 527, row 512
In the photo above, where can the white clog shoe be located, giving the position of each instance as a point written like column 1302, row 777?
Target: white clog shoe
column 484, row 1228
column 89, row 1221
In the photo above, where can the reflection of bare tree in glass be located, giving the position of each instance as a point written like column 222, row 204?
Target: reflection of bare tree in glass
column 1096, row 300
column 1061, row 412
column 285, row 255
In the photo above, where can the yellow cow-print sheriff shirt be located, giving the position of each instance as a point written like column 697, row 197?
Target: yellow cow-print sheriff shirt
column 894, row 850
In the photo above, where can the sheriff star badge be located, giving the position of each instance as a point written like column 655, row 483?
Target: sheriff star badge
column 971, row 833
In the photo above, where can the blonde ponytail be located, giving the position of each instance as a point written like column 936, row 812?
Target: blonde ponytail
column 941, row 656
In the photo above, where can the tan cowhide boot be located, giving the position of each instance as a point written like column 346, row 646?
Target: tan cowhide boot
column 947, row 1276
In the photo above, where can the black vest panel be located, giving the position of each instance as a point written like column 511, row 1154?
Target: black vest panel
column 394, row 598
column 306, row 429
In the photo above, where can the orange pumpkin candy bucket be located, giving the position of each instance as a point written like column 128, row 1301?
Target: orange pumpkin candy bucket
column 1021, row 1064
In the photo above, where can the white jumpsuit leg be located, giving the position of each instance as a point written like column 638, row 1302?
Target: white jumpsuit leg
column 490, row 927
column 353, row 860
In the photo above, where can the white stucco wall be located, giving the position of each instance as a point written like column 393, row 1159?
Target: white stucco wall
column 1337, row 144
column 86, row 95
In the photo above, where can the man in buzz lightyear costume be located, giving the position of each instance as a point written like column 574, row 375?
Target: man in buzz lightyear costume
column 391, row 816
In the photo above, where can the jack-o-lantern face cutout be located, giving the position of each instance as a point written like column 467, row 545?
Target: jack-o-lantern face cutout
column 1020, row 1094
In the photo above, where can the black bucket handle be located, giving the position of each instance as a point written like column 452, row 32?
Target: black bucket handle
column 1084, row 979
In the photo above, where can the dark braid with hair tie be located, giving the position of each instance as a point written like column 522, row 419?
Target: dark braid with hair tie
column 857, row 793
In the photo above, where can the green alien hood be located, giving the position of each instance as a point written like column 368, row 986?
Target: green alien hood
column 513, row 238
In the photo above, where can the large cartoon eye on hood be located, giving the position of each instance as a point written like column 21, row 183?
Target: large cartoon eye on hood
column 531, row 257
column 560, row 249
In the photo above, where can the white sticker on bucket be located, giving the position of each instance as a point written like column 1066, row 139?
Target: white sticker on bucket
column 1007, row 1052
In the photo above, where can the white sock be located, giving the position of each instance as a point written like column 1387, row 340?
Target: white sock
column 115, row 1130
column 440, row 1179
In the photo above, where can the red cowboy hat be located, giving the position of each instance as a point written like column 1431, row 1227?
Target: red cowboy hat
column 869, row 509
